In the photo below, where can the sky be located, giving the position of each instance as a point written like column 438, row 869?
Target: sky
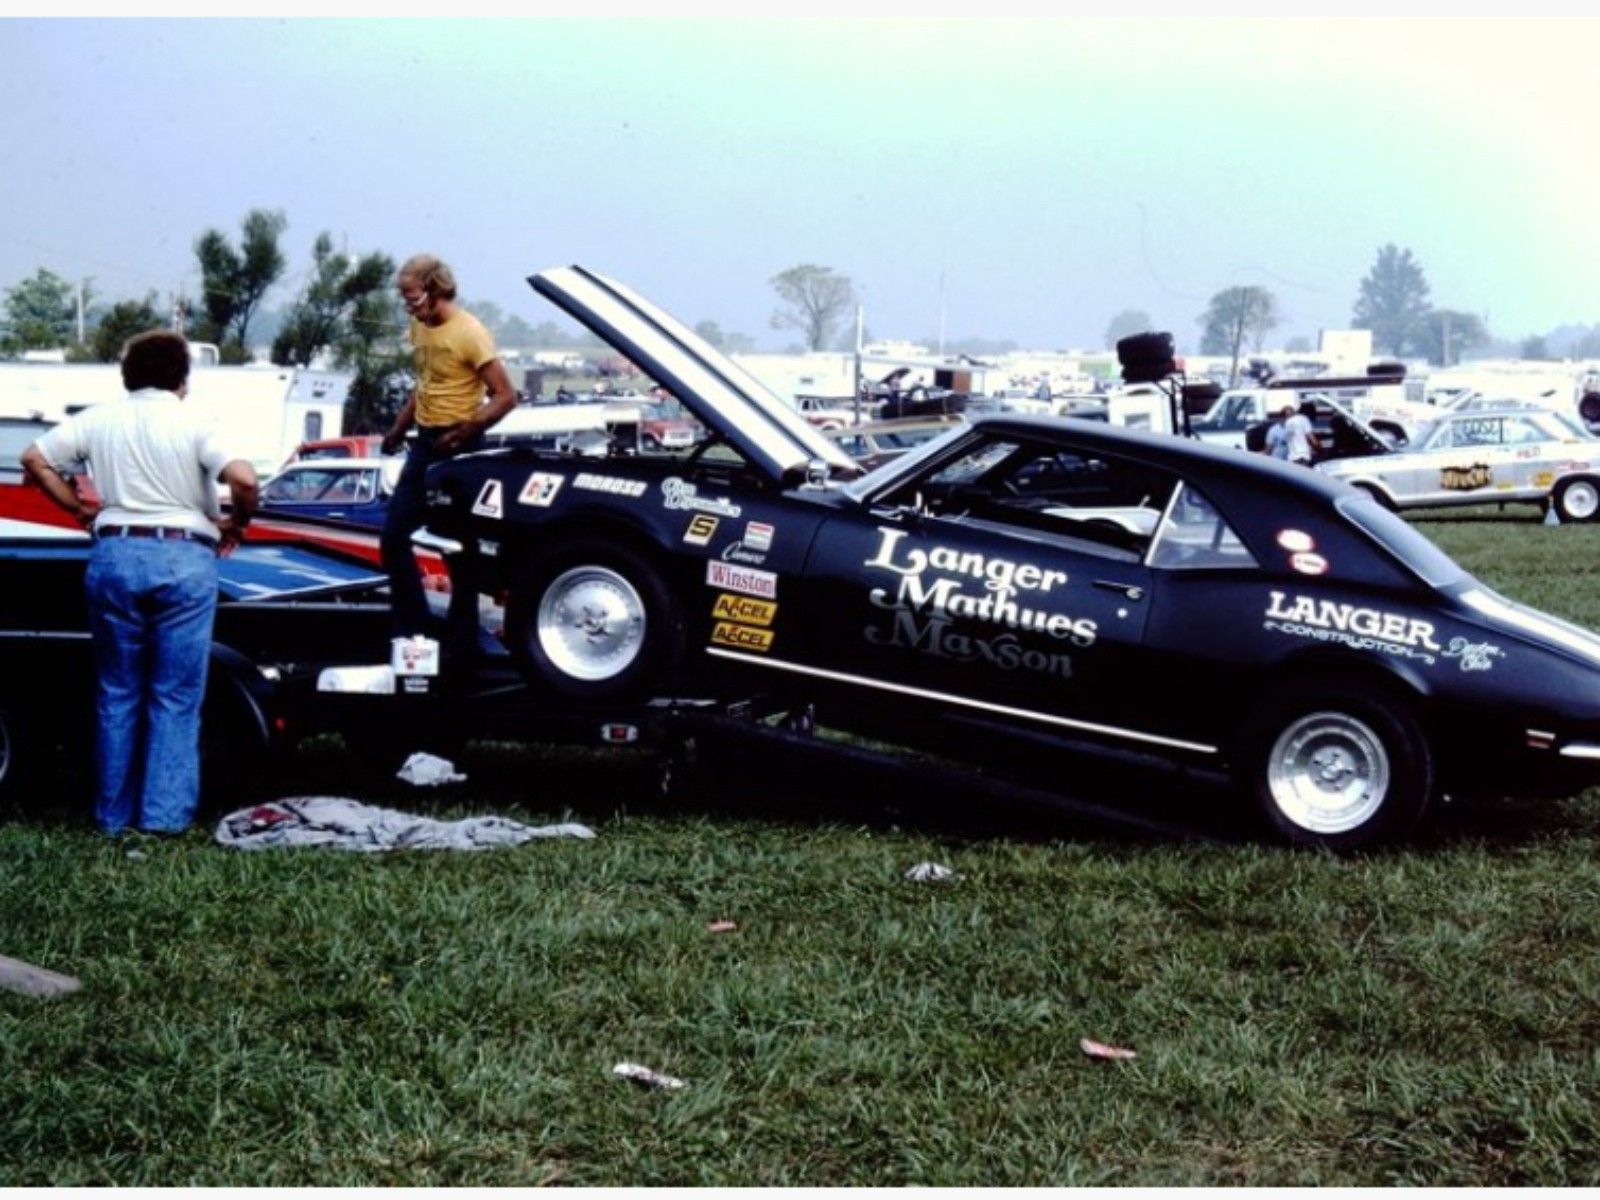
column 999, row 178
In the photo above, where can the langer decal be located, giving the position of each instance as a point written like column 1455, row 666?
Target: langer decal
column 1352, row 625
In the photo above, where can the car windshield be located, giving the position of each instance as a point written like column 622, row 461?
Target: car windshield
column 1402, row 540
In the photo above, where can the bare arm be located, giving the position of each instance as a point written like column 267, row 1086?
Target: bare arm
column 502, row 399
column 244, row 490
column 56, row 485
column 396, row 437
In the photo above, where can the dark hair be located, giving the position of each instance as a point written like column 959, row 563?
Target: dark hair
column 157, row 359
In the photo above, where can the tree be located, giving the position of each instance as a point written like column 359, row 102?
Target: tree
column 817, row 300
column 1536, row 348
column 40, row 314
column 1236, row 316
column 1393, row 303
column 711, row 332
column 233, row 281
column 321, row 317
column 1443, row 334
column 1126, row 323
column 119, row 323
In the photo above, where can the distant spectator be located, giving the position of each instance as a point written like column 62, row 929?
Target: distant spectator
column 1300, row 436
column 1278, row 434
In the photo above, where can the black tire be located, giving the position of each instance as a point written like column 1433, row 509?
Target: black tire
column 1589, row 408
column 14, row 759
column 595, row 621
column 1337, row 766
column 1577, row 499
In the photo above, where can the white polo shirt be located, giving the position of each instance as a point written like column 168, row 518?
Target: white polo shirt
column 154, row 460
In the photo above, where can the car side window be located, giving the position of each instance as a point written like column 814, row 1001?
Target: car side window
column 1193, row 533
column 1102, row 503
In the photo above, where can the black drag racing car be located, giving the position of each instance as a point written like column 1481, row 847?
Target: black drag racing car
column 1021, row 590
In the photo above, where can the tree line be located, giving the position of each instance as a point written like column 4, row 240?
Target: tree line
column 347, row 310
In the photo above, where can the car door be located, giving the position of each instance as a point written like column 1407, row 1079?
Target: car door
column 987, row 594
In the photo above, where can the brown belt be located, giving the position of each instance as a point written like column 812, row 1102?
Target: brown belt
column 166, row 533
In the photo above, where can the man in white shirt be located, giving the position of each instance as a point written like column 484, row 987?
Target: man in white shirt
column 152, row 575
column 1300, row 438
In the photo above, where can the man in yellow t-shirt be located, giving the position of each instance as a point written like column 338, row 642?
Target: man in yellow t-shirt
column 456, row 367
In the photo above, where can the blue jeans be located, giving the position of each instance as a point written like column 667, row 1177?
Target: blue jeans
column 151, row 610
column 408, row 512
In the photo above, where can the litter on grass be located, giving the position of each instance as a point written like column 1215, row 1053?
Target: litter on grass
column 350, row 825
column 722, row 926
column 647, row 1077
column 1100, row 1050
column 930, row 871
column 429, row 770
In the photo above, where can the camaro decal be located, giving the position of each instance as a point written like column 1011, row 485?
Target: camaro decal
column 680, row 493
column 744, row 608
column 701, row 527
column 742, row 579
column 590, row 482
column 540, row 490
column 1466, row 479
column 1354, row 626
column 925, row 603
column 490, row 501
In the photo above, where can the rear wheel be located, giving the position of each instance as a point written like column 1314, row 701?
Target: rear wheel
column 1578, row 500
column 595, row 621
column 13, row 759
column 1337, row 766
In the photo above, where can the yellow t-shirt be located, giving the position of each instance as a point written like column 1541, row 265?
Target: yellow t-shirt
column 448, row 359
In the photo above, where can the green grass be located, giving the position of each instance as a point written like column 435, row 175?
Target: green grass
column 1428, row 1015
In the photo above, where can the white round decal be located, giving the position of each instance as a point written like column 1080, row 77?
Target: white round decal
column 1308, row 564
column 1294, row 540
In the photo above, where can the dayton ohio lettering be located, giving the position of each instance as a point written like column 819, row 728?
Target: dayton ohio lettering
column 1353, row 626
column 1474, row 656
column 936, row 587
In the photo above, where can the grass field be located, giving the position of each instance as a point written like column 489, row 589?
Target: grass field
column 1429, row 1015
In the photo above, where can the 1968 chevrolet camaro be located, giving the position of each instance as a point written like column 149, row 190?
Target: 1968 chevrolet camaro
column 1025, row 587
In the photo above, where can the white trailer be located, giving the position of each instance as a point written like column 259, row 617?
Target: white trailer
column 266, row 411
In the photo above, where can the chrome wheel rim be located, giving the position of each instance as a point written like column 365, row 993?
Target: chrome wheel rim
column 591, row 623
column 1329, row 773
column 1581, row 501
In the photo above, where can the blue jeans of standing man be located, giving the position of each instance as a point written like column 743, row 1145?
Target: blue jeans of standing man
column 407, row 512
column 152, row 605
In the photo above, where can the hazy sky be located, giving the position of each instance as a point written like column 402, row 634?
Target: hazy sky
column 995, row 178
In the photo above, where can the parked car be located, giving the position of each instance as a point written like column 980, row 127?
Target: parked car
column 24, row 508
column 358, row 445
column 875, row 442
column 828, row 414
column 1486, row 456
column 1266, row 624
column 339, row 504
column 1342, row 433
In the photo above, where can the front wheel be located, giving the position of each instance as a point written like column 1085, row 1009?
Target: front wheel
column 596, row 622
column 1337, row 766
column 1578, row 500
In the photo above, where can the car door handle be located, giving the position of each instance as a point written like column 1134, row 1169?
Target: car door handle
column 1132, row 591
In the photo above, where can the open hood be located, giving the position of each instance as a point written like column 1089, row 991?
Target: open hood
column 726, row 398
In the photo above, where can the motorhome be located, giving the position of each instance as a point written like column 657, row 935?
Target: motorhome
column 267, row 410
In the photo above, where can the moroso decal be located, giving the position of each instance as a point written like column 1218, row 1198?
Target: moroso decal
column 701, row 527
column 1354, row 626
column 744, row 608
column 743, row 637
column 742, row 579
column 541, row 489
column 490, row 501
column 680, row 493
column 588, row 481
